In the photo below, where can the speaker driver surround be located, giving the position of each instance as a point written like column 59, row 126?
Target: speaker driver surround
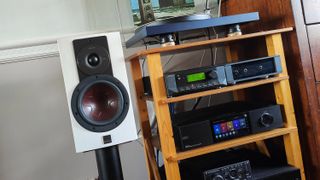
column 100, row 103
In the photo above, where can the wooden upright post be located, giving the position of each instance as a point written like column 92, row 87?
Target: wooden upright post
column 163, row 116
column 153, row 173
column 284, row 97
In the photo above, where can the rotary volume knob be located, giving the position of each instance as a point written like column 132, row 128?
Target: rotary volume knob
column 218, row 177
column 266, row 120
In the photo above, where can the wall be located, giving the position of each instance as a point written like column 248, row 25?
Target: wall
column 32, row 20
column 37, row 19
column 35, row 133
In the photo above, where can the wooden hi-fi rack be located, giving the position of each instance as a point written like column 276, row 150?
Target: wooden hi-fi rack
column 171, row 157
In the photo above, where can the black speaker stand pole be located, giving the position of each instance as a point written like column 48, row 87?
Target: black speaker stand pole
column 109, row 164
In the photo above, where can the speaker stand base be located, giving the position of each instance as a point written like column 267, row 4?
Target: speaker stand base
column 109, row 164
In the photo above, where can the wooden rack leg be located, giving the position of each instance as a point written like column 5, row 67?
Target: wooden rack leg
column 144, row 119
column 284, row 97
column 152, row 160
column 163, row 116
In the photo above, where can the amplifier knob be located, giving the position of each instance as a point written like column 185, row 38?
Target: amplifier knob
column 261, row 67
column 233, row 173
column 213, row 74
column 266, row 120
column 241, row 173
column 218, row 177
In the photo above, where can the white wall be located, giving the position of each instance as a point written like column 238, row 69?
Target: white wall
column 29, row 20
column 36, row 19
column 35, row 137
column 35, row 133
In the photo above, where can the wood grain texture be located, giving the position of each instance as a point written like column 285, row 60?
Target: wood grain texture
column 207, row 42
column 163, row 116
column 284, row 97
column 314, row 41
column 152, row 159
column 305, row 94
column 232, row 143
column 318, row 90
column 311, row 11
column 281, row 14
column 143, row 113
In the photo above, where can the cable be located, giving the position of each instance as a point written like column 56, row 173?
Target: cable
column 215, row 49
column 197, row 103
column 144, row 60
column 211, row 48
column 158, row 157
column 200, row 64
column 165, row 65
column 202, row 57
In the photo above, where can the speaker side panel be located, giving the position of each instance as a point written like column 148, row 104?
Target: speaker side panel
column 120, row 72
column 86, row 140
column 69, row 72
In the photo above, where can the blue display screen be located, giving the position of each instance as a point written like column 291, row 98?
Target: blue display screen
column 229, row 128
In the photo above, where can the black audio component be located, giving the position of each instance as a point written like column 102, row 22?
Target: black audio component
column 147, row 86
column 194, row 80
column 240, row 170
column 194, row 135
column 205, row 78
column 252, row 69
column 239, row 164
column 225, row 121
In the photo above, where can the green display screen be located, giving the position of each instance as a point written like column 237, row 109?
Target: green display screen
column 196, row 77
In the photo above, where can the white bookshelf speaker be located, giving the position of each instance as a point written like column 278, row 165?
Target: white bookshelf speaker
column 97, row 91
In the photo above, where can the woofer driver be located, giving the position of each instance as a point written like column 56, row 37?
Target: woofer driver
column 100, row 103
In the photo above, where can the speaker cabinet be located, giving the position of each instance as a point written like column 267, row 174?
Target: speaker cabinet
column 97, row 90
column 146, row 11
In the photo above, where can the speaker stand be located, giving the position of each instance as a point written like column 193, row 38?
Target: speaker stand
column 109, row 164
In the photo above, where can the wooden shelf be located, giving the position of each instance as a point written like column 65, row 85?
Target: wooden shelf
column 206, row 42
column 232, row 143
column 224, row 89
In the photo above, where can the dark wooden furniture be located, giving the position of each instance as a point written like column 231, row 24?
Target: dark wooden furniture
column 302, row 49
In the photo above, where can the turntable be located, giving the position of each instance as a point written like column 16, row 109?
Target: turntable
column 184, row 23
